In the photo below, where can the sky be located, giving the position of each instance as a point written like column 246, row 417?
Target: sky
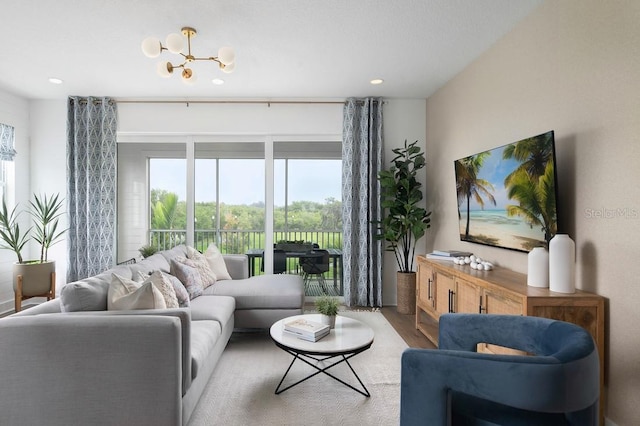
column 242, row 181
column 494, row 170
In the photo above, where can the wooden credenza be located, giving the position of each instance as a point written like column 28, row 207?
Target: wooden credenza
column 444, row 287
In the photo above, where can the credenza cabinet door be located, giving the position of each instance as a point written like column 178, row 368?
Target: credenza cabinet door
column 445, row 293
column 425, row 287
column 468, row 297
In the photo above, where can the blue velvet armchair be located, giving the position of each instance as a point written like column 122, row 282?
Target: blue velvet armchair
column 558, row 384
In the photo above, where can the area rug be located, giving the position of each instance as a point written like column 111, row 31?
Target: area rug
column 241, row 391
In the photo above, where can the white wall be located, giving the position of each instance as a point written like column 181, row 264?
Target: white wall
column 571, row 67
column 14, row 111
column 48, row 167
column 403, row 119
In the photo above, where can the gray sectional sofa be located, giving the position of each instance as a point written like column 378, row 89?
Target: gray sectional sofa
column 62, row 364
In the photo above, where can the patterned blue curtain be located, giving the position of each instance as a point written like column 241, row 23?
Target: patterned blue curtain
column 91, row 185
column 361, row 162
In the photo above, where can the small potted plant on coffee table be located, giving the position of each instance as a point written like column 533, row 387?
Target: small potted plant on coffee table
column 328, row 308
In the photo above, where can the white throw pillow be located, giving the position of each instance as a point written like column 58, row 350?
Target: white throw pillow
column 126, row 294
column 216, row 262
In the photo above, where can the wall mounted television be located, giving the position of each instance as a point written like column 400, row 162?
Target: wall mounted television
column 507, row 195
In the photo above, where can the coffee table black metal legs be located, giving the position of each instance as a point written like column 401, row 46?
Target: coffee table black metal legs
column 305, row 357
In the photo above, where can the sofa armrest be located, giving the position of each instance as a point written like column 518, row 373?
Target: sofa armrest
column 237, row 265
column 183, row 314
column 101, row 370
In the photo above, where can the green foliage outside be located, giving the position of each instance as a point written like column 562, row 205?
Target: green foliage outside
column 242, row 226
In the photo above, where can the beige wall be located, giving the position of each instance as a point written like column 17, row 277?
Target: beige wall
column 572, row 67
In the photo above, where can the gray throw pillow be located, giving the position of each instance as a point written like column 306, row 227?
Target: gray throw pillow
column 82, row 296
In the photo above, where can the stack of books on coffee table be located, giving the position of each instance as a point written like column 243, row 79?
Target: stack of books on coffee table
column 305, row 329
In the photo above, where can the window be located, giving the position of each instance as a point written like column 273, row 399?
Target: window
column 202, row 192
column 167, row 201
column 7, row 152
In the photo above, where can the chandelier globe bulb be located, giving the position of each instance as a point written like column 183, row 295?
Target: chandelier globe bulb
column 163, row 69
column 188, row 76
column 175, row 43
column 151, row 47
column 228, row 68
column 226, row 55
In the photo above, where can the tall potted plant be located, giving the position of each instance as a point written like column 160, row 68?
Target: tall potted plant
column 405, row 222
column 32, row 278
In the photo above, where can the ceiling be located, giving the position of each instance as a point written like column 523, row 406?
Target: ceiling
column 284, row 48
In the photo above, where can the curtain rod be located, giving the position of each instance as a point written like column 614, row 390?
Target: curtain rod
column 229, row 102
column 186, row 102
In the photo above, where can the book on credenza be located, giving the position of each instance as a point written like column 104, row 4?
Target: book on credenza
column 451, row 253
column 306, row 328
column 307, row 337
column 433, row 256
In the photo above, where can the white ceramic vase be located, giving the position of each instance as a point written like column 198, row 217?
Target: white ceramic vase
column 562, row 264
column 329, row 320
column 538, row 267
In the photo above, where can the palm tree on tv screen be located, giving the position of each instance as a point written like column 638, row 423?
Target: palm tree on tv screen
column 532, row 183
column 469, row 185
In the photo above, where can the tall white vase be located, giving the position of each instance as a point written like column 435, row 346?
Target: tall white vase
column 562, row 264
column 538, row 267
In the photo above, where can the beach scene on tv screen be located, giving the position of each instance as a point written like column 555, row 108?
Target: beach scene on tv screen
column 507, row 195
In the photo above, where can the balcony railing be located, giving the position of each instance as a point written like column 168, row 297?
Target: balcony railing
column 241, row 241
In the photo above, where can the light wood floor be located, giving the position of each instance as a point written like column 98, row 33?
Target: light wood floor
column 405, row 326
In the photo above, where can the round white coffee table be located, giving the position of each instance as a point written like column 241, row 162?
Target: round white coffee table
column 346, row 340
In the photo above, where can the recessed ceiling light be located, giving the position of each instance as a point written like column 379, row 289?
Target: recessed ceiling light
column 55, row 80
column 376, row 81
column 217, row 81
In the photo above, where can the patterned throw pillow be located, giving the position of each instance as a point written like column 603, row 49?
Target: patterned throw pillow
column 208, row 277
column 126, row 294
column 187, row 272
column 164, row 284
column 216, row 262
column 181, row 292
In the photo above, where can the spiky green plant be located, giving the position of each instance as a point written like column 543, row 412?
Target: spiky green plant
column 46, row 212
column 12, row 238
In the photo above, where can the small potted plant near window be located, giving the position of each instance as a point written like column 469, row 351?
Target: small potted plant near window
column 147, row 250
column 328, row 308
column 32, row 278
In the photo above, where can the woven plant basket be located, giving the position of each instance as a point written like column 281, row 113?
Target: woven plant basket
column 406, row 282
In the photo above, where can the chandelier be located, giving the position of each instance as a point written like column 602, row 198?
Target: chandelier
column 152, row 48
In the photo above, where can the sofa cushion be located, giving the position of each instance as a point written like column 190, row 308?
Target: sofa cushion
column 181, row 292
column 84, row 296
column 204, row 335
column 156, row 262
column 280, row 291
column 126, row 294
column 165, row 286
column 179, row 250
column 185, row 270
column 208, row 277
column 217, row 308
column 216, row 262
